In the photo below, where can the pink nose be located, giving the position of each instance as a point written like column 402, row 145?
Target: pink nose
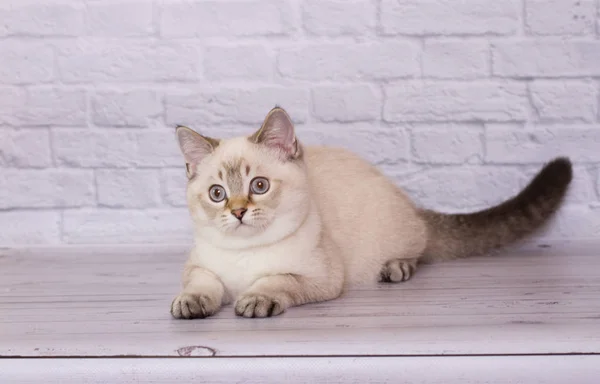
column 239, row 213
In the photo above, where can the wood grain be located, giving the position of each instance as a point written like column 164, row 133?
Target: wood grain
column 358, row 370
column 114, row 301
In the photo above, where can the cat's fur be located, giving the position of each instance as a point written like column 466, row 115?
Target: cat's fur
column 329, row 221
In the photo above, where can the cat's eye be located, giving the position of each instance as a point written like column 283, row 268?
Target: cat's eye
column 259, row 185
column 217, row 193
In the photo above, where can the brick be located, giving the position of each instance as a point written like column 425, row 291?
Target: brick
column 346, row 103
column 228, row 105
column 116, row 149
column 85, row 148
column 560, row 17
column 449, row 17
column 219, row 18
column 29, row 227
column 464, row 187
column 376, row 144
column 127, row 226
column 11, row 100
column 120, row 19
column 158, row 149
column 441, row 101
column 546, row 58
column 126, row 109
column 358, row 61
column 51, row 106
column 574, row 222
column 25, row 148
column 26, row 62
column 174, row 186
column 597, row 20
column 201, row 108
column 127, row 60
column 456, row 59
column 254, row 104
column 447, row 144
column 137, row 188
column 597, row 176
column 33, row 188
column 564, row 100
column 22, row 19
column 582, row 190
column 542, row 143
column 252, row 62
column 337, row 17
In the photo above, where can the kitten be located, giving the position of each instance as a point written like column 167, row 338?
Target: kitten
column 277, row 224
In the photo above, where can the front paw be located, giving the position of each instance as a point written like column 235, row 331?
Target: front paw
column 254, row 305
column 190, row 306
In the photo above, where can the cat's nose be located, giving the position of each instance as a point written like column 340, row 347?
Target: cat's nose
column 239, row 213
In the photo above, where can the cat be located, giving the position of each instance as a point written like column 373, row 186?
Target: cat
column 278, row 224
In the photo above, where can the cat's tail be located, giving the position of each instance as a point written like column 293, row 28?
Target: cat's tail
column 452, row 236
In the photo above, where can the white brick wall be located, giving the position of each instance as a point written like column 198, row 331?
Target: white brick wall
column 459, row 101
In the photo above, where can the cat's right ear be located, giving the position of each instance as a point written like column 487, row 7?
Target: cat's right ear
column 277, row 132
column 194, row 147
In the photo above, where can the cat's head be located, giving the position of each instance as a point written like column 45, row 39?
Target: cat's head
column 247, row 190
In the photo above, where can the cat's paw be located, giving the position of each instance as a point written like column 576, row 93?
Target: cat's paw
column 254, row 305
column 190, row 306
column 397, row 270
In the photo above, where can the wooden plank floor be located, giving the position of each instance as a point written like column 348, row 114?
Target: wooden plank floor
column 76, row 303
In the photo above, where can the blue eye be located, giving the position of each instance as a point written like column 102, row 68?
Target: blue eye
column 259, row 185
column 217, row 193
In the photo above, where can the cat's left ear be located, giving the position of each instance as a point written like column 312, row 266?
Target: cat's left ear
column 277, row 132
column 194, row 147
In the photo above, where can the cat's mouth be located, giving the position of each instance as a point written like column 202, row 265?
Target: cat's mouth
column 243, row 228
column 240, row 224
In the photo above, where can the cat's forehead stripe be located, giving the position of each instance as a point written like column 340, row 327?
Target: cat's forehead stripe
column 233, row 170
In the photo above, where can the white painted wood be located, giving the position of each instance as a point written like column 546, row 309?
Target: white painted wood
column 114, row 301
column 360, row 370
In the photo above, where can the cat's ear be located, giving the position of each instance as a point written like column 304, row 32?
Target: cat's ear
column 277, row 132
column 194, row 147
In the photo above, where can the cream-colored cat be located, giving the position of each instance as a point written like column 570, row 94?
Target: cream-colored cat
column 279, row 225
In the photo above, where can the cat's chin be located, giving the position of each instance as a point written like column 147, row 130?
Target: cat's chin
column 245, row 230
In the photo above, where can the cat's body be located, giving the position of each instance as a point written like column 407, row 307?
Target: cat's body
column 279, row 225
column 366, row 215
